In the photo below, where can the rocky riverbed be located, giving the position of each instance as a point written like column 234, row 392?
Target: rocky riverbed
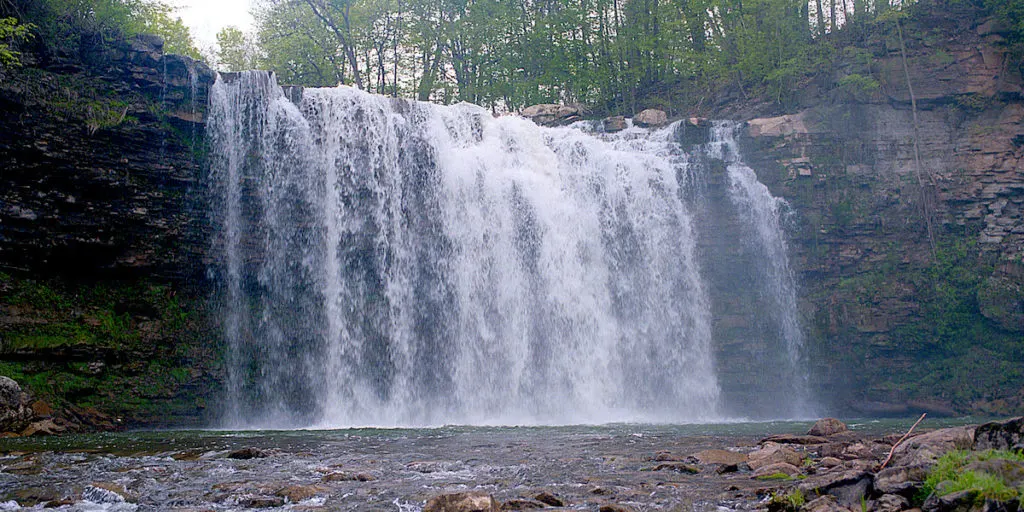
column 608, row 468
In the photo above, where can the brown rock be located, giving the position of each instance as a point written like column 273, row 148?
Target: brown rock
column 613, row 507
column 771, row 453
column 297, row 493
column 549, row 114
column 826, row 503
column 520, row 504
column 830, row 462
column 365, row 477
column 651, row 118
column 462, row 502
column 826, row 427
column 41, row 409
column 43, row 428
column 720, row 457
column 549, row 499
column 614, row 124
column 777, row 468
column 927, row 448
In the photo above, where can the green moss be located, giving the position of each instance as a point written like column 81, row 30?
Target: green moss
column 775, row 476
column 948, row 476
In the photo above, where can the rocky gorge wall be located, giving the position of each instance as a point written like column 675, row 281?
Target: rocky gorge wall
column 899, row 321
column 103, row 234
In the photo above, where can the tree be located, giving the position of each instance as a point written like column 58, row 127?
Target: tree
column 11, row 33
column 234, row 51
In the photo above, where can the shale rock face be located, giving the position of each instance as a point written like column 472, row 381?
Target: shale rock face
column 880, row 291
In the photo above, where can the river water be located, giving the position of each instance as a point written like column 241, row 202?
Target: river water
column 586, row 466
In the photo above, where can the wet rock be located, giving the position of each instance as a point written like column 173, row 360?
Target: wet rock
column 32, row 496
column 462, row 502
column 795, row 439
column 772, row 453
column 848, row 486
column 614, row 507
column 614, row 124
column 723, row 469
column 549, row 114
column 247, row 453
column 261, row 501
column 104, row 493
column 826, row 503
column 549, row 499
column 681, row 467
column 15, row 414
column 521, row 504
column 1000, row 435
column 889, row 503
column 651, row 118
column 720, row 457
column 779, row 468
column 364, row 477
column 297, row 493
column 903, row 480
column 45, row 427
column 927, row 448
column 826, row 427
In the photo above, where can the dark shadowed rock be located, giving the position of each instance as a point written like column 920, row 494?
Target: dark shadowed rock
column 462, row 502
column 521, row 504
column 889, row 503
column 261, row 501
column 681, row 467
column 826, row 427
column 247, row 453
column 848, row 486
column 795, row 439
column 549, row 499
column 614, row 507
column 962, row 501
column 1000, row 435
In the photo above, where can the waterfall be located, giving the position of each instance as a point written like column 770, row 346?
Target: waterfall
column 387, row 262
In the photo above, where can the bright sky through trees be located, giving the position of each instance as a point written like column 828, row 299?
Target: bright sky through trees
column 206, row 17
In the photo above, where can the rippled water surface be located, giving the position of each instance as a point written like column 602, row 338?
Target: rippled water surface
column 401, row 468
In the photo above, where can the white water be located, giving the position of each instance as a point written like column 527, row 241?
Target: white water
column 394, row 263
column 764, row 215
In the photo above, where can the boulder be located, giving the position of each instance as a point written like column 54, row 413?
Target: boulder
column 549, row 114
column 848, row 486
column 462, row 502
column 15, row 413
column 779, row 468
column 902, row 480
column 889, row 503
column 651, row 118
column 614, row 124
column 297, row 493
column 521, row 504
column 261, row 501
column 772, row 453
column 826, row 427
column 1000, row 435
column 927, row 448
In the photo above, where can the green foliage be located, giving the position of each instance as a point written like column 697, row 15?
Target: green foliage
column 858, row 86
column 790, row 501
column 948, row 476
column 12, row 33
column 234, row 50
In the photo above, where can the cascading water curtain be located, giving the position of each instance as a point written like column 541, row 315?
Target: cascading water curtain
column 388, row 263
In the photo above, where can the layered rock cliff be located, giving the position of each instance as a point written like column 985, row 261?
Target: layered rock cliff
column 102, row 233
column 900, row 319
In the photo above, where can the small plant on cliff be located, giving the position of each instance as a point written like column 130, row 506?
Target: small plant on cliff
column 858, row 86
column 11, row 33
